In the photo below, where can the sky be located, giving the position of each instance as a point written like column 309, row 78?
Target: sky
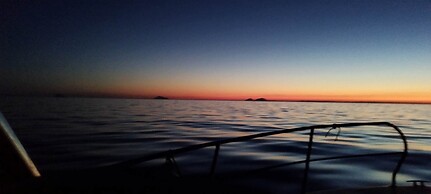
column 352, row 50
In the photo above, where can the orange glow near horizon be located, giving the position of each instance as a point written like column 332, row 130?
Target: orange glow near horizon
column 271, row 86
column 202, row 93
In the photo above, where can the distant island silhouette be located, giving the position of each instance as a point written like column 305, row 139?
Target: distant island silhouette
column 258, row 99
column 161, row 98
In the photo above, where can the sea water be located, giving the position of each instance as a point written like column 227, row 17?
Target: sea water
column 83, row 133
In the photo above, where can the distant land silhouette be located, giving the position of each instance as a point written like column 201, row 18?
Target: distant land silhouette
column 161, row 98
column 258, row 99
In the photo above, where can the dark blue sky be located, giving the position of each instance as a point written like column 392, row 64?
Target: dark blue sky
column 218, row 48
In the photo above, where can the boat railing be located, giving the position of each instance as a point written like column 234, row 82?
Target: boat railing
column 18, row 158
column 170, row 155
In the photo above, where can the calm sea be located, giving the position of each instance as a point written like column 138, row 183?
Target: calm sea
column 79, row 133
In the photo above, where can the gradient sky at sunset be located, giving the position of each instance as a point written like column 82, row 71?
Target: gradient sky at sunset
column 282, row 50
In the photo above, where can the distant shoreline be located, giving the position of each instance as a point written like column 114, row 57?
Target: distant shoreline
column 240, row 100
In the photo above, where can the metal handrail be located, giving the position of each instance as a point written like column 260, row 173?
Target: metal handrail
column 217, row 144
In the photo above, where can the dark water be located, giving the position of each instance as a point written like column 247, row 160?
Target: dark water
column 77, row 133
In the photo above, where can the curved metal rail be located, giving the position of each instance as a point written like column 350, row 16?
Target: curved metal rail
column 169, row 155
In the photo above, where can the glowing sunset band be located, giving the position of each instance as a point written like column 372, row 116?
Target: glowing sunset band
column 244, row 93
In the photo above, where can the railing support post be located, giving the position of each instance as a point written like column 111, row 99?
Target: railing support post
column 215, row 157
column 403, row 156
column 307, row 162
column 170, row 161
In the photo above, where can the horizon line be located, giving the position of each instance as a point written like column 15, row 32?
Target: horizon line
column 211, row 99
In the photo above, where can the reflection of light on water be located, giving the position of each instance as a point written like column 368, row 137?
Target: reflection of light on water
column 421, row 147
column 379, row 175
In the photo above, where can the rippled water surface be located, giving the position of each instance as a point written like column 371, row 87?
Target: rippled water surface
column 77, row 133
